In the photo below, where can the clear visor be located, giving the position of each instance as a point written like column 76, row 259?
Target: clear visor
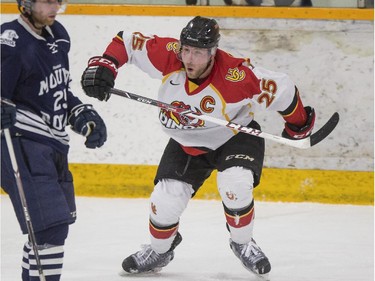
column 198, row 54
column 61, row 4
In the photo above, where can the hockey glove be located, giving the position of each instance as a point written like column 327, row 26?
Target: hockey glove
column 99, row 77
column 86, row 121
column 293, row 132
column 8, row 114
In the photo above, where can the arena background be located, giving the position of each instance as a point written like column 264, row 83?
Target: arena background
column 328, row 52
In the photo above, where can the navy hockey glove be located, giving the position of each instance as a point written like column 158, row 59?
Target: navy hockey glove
column 8, row 114
column 293, row 132
column 99, row 77
column 87, row 122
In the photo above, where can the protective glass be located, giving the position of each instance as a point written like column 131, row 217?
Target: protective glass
column 62, row 4
column 196, row 54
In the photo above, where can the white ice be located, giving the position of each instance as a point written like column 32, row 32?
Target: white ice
column 304, row 242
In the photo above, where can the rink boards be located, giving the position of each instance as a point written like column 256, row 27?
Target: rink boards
column 328, row 52
column 283, row 185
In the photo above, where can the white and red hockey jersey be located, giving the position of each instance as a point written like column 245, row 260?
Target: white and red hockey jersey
column 234, row 90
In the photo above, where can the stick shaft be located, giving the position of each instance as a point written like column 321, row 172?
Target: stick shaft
column 21, row 193
column 303, row 143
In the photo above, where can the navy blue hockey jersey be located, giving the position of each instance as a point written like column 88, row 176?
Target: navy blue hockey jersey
column 35, row 76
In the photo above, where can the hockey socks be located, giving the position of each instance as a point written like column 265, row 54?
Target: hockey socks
column 51, row 259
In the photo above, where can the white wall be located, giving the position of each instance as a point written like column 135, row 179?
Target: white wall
column 330, row 61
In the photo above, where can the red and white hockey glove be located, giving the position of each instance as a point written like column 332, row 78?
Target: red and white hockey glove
column 294, row 132
column 99, row 77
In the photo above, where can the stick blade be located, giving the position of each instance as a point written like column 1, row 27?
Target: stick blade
column 324, row 131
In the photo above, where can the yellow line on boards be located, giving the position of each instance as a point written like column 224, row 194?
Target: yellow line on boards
column 284, row 185
column 212, row 11
column 277, row 185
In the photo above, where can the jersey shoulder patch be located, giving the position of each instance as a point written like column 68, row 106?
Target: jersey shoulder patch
column 9, row 37
column 9, row 34
column 233, row 78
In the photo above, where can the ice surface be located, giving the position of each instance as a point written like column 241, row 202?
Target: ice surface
column 304, row 242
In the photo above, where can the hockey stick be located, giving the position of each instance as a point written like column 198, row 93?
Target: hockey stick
column 21, row 193
column 310, row 141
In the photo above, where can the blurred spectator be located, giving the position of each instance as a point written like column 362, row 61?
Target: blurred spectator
column 299, row 3
column 201, row 2
column 365, row 3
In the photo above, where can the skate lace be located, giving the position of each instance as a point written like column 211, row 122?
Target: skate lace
column 252, row 252
column 146, row 255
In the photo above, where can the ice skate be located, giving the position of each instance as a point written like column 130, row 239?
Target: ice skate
column 147, row 260
column 252, row 258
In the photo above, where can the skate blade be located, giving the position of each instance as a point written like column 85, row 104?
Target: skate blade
column 152, row 271
column 261, row 277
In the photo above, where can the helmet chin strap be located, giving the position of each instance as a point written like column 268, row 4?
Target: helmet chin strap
column 31, row 20
column 213, row 53
column 205, row 69
column 29, row 17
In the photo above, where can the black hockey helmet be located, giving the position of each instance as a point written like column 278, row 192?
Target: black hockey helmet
column 200, row 32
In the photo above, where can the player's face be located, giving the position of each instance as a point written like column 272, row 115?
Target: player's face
column 195, row 61
column 44, row 12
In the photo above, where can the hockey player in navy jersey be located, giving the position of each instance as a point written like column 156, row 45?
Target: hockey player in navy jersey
column 36, row 106
column 195, row 74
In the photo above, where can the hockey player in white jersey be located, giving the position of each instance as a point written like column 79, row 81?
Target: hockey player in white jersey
column 195, row 74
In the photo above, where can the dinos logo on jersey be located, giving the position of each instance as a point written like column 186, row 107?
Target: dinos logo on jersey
column 235, row 75
column 173, row 120
column 173, row 46
column 8, row 37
